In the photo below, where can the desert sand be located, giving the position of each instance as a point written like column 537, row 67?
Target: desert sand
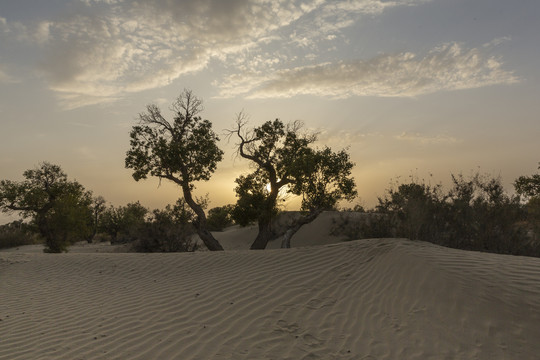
column 322, row 299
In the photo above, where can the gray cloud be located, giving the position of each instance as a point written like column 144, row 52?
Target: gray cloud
column 447, row 67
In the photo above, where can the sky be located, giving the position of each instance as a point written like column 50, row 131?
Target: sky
column 411, row 88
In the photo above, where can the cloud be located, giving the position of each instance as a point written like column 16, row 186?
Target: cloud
column 446, row 67
column 97, row 56
column 5, row 77
column 101, row 50
column 427, row 140
column 345, row 138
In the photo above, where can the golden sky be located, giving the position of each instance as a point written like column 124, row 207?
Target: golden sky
column 410, row 87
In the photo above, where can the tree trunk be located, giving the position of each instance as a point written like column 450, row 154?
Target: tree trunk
column 286, row 242
column 264, row 235
column 293, row 229
column 200, row 225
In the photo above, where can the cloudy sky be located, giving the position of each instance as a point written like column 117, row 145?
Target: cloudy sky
column 410, row 87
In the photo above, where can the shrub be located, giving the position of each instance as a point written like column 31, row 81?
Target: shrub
column 475, row 214
column 219, row 218
column 165, row 237
column 359, row 225
column 166, row 232
column 16, row 234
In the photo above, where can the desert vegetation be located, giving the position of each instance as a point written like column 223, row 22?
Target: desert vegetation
column 60, row 209
column 475, row 213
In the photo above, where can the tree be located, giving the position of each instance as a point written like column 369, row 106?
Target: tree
column 59, row 208
column 97, row 208
column 528, row 186
column 323, row 179
column 183, row 151
column 284, row 162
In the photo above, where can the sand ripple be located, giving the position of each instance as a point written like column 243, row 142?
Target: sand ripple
column 368, row 299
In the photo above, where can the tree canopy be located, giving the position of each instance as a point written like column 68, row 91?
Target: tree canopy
column 183, row 151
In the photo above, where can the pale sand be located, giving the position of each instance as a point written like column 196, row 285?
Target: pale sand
column 366, row 299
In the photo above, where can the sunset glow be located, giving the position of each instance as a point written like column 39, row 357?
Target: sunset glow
column 411, row 87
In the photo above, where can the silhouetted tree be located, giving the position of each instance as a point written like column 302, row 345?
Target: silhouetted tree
column 183, row 151
column 528, row 186
column 322, row 178
column 284, row 162
column 59, row 208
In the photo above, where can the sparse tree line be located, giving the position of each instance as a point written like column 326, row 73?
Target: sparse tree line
column 284, row 161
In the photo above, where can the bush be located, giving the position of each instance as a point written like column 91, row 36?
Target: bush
column 17, row 234
column 161, row 237
column 475, row 214
column 360, row 225
column 165, row 232
column 219, row 218
column 123, row 223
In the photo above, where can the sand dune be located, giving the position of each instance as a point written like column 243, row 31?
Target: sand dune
column 366, row 299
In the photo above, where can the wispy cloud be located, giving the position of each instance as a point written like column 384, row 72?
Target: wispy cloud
column 108, row 48
column 346, row 138
column 446, row 67
column 427, row 139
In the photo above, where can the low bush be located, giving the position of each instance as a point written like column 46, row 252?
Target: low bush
column 16, row 234
column 475, row 214
column 168, row 230
column 219, row 218
column 159, row 237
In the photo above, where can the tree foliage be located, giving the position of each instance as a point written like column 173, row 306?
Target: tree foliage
column 183, row 151
column 285, row 163
column 528, row 186
column 61, row 209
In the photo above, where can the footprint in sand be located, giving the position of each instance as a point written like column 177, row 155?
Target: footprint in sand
column 311, row 340
column 320, row 303
column 284, row 326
